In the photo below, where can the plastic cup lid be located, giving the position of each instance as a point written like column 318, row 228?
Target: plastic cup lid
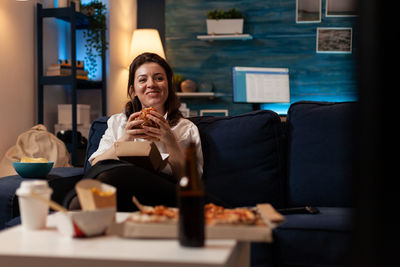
column 38, row 186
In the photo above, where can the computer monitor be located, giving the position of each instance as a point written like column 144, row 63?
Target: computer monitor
column 260, row 85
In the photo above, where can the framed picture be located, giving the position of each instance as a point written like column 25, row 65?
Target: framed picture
column 213, row 112
column 334, row 40
column 341, row 8
column 308, row 11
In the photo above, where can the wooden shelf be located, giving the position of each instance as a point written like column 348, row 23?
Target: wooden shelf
column 196, row 95
column 67, row 80
column 76, row 21
column 221, row 37
column 65, row 13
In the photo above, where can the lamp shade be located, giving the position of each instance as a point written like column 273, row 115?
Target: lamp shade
column 145, row 40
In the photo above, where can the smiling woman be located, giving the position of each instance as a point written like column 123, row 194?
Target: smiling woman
column 149, row 85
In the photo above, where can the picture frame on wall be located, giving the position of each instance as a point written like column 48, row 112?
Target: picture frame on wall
column 341, row 8
column 334, row 40
column 308, row 11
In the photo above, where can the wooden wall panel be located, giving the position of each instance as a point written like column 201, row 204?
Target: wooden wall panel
column 278, row 41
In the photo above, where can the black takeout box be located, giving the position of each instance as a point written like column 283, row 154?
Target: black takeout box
column 141, row 153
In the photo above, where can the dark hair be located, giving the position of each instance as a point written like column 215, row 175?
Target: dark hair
column 171, row 104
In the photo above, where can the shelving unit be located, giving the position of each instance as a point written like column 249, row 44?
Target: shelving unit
column 210, row 95
column 78, row 21
column 220, row 37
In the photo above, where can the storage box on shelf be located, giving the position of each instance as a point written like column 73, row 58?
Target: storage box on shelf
column 65, row 114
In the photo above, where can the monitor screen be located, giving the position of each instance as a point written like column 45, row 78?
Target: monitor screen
column 260, row 85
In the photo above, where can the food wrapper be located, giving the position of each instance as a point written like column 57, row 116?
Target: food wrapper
column 95, row 195
column 85, row 223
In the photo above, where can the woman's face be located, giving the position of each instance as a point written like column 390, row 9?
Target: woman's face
column 151, row 86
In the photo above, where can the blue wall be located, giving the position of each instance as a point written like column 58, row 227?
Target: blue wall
column 278, row 41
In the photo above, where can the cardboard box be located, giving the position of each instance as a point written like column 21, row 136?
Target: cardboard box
column 248, row 233
column 65, row 114
column 141, row 153
column 95, row 195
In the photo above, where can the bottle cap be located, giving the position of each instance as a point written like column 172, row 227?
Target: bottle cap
column 184, row 181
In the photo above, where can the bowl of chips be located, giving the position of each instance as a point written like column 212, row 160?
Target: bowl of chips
column 33, row 167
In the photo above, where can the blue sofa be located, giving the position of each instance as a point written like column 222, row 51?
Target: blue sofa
column 255, row 158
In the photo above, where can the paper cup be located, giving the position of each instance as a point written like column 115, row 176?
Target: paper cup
column 33, row 212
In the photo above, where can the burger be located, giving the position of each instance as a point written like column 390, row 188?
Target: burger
column 143, row 116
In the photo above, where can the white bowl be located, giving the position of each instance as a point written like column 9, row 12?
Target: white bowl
column 85, row 223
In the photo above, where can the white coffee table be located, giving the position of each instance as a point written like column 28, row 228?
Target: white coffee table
column 20, row 247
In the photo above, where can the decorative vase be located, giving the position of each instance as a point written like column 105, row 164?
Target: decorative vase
column 188, row 86
column 225, row 26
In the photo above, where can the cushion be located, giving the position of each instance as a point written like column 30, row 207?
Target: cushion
column 243, row 164
column 321, row 153
column 97, row 129
column 323, row 239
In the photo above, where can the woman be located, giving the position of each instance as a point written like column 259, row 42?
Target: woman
column 149, row 85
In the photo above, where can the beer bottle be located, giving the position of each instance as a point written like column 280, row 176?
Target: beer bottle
column 191, row 203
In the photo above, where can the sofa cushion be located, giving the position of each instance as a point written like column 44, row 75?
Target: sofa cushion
column 96, row 132
column 323, row 239
column 321, row 153
column 328, row 219
column 243, row 163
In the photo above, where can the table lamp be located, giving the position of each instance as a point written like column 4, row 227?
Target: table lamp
column 145, row 40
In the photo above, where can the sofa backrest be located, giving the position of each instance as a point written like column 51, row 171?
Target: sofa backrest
column 96, row 131
column 321, row 150
column 243, row 162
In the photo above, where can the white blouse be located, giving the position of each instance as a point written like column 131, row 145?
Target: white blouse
column 185, row 132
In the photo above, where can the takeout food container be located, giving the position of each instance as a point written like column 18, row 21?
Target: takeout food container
column 85, row 223
column 142, row 153
column 93, row 195
column 167, row 230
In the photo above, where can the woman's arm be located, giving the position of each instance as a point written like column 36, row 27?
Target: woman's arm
column 130, row 133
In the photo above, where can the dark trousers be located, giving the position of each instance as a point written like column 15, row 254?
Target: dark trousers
column 149, row 187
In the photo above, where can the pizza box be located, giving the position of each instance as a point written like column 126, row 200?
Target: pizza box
column 169, row 230
column 142, row 153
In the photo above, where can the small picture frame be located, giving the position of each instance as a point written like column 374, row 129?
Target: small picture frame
column 214, row 112
column 308, row 11
column 334, row 40
column 341, row 8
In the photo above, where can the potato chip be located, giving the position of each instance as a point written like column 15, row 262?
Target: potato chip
column 34, row 160
column 101, row 193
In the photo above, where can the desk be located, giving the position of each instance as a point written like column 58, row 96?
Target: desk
column 47, row 247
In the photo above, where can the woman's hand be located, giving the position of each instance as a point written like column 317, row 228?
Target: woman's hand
column 132, row 129
column 164, row 134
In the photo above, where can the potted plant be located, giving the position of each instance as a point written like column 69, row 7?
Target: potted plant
column 96, row 44
column 225, row 22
